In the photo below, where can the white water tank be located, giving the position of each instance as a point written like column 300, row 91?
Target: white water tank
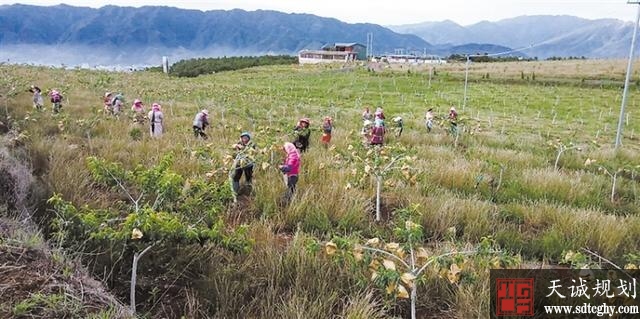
column 165, row 64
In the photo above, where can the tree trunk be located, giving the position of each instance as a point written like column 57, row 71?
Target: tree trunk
column 414, row 296
column 613, row 187
column 555, row 166
column 378, row 187
column 134, row 275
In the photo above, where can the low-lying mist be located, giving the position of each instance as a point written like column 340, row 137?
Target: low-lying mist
column 111, row 58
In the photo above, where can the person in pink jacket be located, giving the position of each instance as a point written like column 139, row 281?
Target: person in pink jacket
column 290, row 169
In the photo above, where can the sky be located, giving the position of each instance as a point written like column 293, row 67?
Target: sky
column 464, row 12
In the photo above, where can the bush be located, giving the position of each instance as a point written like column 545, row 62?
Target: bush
column 135, row 134
column 195, row 67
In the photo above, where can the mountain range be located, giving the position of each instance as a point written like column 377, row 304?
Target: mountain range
column 127, row 35
column 140, row 32
column 542, row 36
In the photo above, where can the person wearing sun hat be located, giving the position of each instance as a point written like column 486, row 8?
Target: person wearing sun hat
column 398, row 121
column 117, row 103
column 366, row 131
column 138, row 111
column 107, row 103
column 366, row 114
column 38, row 101
column 302, row 134
column 453, row 120
column 200, row 123
column 428, row 118
column 290, row 168
column 156, row 119
column 327, row 127
column 377, row 133
column 244, row 161
column 56, row 99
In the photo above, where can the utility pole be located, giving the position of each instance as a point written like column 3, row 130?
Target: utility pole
column 627, row 78
column 466, row 79
column 369, row 45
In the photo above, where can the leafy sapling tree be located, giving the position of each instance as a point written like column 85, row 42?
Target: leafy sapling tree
column 562, row 147
column 162, row 210
column 379, row 163
column 614, row 170
column 494, row 183
column 396, row 268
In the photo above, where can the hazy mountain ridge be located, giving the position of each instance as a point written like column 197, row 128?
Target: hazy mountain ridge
column 112, row 34
column 548, row 35
column 127, row 28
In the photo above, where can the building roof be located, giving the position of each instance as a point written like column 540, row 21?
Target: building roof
column 351, row 44
column 324, row 52
column 341, row 44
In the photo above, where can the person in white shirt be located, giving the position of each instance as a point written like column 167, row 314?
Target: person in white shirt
column 429, row 120
column 156, row 118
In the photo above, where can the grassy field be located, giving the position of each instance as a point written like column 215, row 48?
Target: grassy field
column 498, row 178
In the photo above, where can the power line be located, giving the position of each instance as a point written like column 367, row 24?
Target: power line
column 469, row 56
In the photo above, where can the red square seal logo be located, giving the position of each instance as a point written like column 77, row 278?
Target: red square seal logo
column 514, row 297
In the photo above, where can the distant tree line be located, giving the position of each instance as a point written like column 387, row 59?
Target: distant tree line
column 486, row 58
column 559, row 58
column 195, row 67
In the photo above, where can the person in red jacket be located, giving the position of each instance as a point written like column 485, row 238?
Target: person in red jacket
column 290, row 169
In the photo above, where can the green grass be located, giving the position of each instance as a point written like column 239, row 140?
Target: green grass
column 510, row 124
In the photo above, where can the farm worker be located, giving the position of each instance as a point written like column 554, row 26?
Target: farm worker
column 137, row 106
column 377, row 133
column 366, row 131
column 399, row 125
column 116, row 103
column 107, row 103
column 429, row 120
column 327, row 127
column 366, row 115
column 453, row 120
column 38, row 102
column 138, row 111
column 243, row 163
column 200, row 123
column 302, row 134
column 290, row 169
column 56, row 99
column 156, row 119
column 379, row 114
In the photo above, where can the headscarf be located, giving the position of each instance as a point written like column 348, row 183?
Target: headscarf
column 137, row 105
column 291, row 150
column 156, row 107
